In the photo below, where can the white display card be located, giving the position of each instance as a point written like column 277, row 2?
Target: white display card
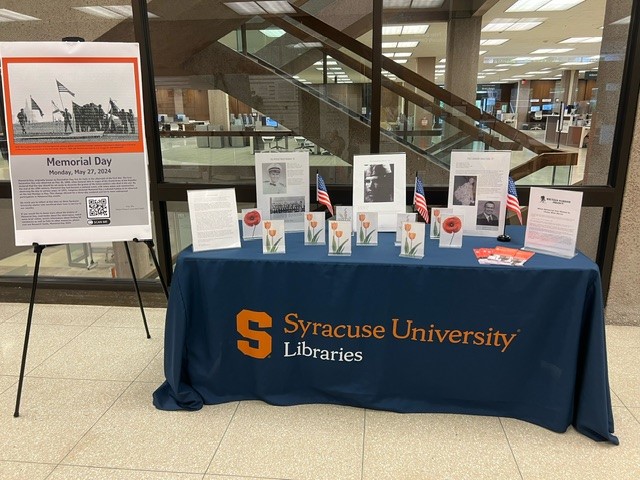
column 552, row 221
column 367, row 229
column 214, row 219
column 273, row 237
column 314, row 228
column 452, row 225
column 251, row 224
column 339, row 237
column 413, row 234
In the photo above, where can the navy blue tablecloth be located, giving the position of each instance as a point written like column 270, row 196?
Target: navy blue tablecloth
column 375, row 330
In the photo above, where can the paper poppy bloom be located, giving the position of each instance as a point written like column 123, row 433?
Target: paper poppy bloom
column 252, row 218
column 452, row 225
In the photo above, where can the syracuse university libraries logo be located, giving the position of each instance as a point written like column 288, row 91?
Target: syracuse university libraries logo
column 256, row 341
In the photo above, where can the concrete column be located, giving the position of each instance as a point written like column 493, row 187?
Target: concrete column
column 218, row 108
column 568, row 88
column 178, row 102
column 423, row 120
column 523, row 96
column 623, row 305
column 463, row 47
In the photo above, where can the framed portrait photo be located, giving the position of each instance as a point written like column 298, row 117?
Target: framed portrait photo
column 379, row 185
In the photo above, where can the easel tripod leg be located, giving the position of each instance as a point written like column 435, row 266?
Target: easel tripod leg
column 38, row 251
column 135, row 283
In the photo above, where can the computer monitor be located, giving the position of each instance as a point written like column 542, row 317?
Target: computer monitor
column 270, row 122
column 180, row 117
column 535, row 108
column 547, row 107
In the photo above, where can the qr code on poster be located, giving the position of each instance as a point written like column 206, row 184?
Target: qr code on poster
column 97, row 207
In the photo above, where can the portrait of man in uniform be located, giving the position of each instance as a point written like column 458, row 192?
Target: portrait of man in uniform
column 276, row 182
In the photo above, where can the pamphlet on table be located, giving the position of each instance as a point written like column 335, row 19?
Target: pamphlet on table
column 500, row 255
column 552, row 221
column 214, row 219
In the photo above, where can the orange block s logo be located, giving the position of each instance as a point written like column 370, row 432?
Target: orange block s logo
column 258, row 342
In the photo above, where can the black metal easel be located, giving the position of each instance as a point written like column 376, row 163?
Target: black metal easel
column 37, row 249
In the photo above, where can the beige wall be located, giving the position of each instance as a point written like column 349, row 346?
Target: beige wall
column 623, row 306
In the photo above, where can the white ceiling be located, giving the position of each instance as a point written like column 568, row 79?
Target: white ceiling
column 60, row 18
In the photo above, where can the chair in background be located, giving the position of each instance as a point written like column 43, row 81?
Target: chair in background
column 268, row 141
column 277, row 145
column 537, row 117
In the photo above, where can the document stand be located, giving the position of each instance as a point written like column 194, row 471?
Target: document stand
column 37, row 249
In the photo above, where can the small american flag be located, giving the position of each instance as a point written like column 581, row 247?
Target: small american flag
column 419, row 201
column 322, row 196
column 63, row 89
column 512, row 199
column 55, row 107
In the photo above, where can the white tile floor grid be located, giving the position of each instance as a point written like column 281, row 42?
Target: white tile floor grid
column 87, row 414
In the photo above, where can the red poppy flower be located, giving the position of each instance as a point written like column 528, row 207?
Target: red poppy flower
column 452, row 225
column 252, row 218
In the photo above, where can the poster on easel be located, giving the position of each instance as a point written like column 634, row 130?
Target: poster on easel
column 75, row 131
column 478, row 190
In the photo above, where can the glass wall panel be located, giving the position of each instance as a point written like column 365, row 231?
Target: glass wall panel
column 252, row 81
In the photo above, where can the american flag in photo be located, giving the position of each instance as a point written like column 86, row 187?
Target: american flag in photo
column 512, row 199
column 419, row 201
column 322, row 196
column 63, row 89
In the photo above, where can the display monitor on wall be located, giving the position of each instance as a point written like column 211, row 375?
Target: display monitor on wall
column 181, row 117
column 270, row 122
column 535, row 108
column 547, row 107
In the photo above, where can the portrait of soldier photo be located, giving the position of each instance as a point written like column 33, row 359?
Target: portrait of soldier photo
column 275, row 179
column 378, row 183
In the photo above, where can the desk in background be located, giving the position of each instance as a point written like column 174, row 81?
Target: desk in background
column 440, row 334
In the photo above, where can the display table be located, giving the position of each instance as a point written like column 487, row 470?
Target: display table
column 374, row 330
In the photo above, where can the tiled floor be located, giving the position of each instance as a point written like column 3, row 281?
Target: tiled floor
column 86, row 413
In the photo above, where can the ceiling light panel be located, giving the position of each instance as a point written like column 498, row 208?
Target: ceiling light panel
column 11, row 16
column 543, row 5
column 582, row 40
column 396, row 3
column 426, row 3
column 408, row 44
column 414, row 29
column 392, row 30
column 277, row 6
column 512, row 24
column 494, row 41
column 245, row 8
column 552, row 50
